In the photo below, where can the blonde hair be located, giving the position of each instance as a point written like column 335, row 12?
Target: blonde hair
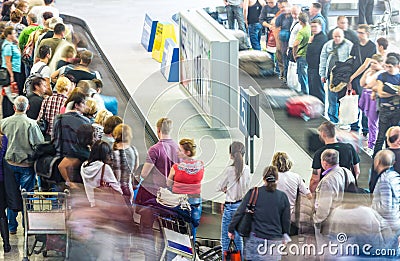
column 188, row 145
column 69, row 51
column 91, row 106
column 377, row 57
column 63, row 84
column 102, row 116
column 122, row 133
column 282, row 162
column 164, row 125
column 392, row 134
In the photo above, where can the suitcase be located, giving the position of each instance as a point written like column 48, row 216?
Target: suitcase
column 313, row 141
column 305, row 106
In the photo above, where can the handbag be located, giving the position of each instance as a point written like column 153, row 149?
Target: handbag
column 168, row 199
column 245, row 224
column 113, row 206
column 4, row 77
column 348, row 109
column 42, row 122
column 284, row 35
column 46, row 162
column 43, row 125
column 232, row 254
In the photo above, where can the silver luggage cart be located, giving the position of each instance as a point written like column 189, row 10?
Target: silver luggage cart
column 177, row 236
column 45, row 213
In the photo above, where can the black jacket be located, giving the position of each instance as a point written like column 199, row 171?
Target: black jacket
column 314, row 50
column 271, row 215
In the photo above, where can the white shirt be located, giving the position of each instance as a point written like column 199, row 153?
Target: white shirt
column 235, row 190
column 45, row 72
column 294, row 29
column 289, row 182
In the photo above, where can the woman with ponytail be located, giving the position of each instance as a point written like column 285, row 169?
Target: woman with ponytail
column 235, row 183
column 271, row 219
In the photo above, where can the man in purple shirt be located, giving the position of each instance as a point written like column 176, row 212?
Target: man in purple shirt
column 160, row 158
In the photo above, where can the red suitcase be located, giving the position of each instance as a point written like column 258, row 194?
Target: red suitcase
column 305, row 106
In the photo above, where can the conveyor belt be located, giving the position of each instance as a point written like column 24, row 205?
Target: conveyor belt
column 296, row 127
column 143, row 133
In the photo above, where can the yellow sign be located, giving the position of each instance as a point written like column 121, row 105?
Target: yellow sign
column 163, row 31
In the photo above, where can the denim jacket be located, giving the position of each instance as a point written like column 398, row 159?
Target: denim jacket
column 326, row 54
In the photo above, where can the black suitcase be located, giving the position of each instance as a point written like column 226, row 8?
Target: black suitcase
column 313, row 140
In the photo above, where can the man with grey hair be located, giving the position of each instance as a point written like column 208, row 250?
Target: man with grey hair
column 329, row 192
column 23, row 136
column 386, row 196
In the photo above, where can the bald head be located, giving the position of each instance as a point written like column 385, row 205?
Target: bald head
column 384, row 159
column 343, row 22
column 295, row 11
column 338, row 36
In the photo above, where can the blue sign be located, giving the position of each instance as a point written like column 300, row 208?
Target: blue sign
column 148, row 33
column 170, row 61
column 249, row 105
column 243, row 111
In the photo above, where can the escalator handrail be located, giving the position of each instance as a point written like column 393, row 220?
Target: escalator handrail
column 148, row 128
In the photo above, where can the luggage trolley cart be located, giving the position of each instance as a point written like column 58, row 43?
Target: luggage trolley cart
column 45, row 213
column 177, row 236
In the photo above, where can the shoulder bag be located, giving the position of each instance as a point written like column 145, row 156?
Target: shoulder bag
column 245, row 224
column 42, row 122
column 168, row 199
column 4, row 75
column 46, row 160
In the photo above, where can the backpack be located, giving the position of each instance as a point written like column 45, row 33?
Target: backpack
column 28, row 52
column 28, row 82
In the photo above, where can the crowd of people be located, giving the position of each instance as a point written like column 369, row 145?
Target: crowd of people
column 54, row 96
column 305, row 40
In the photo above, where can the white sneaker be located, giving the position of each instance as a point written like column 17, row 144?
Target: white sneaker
column 344, row 127
column 369, row 151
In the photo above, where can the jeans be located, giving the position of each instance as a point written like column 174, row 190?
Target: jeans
column 25, row 177
column 333, row 106
column 195, row 214
column 259, row 249
column 387, row 119
column 285, row 58
column 302, row 74
column 325, row 13
column 255, row 35
column 235, row 12
column 229, row 211
column 315, row 84
column 365, row 8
